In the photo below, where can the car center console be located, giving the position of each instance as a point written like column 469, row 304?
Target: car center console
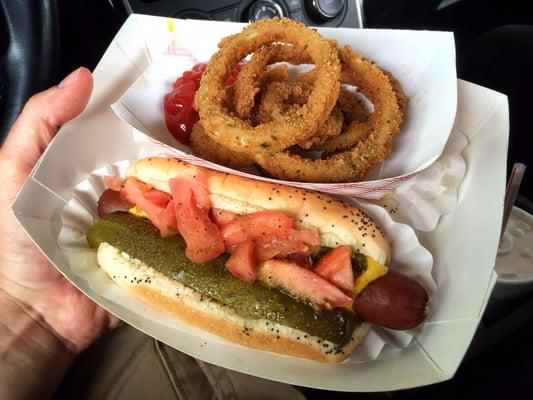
column 330, row 13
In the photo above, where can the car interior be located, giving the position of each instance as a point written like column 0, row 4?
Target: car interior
column 43, row 40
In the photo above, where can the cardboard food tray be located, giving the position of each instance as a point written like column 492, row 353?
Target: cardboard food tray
column 414, row 58
column 463, row 244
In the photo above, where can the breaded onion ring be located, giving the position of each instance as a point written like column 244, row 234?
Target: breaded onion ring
column 273, row 103
column 250, row 78
column 353, row 111
column 331, row 127
column 240, row 135
column 205, row 147
column 352, row 164
column 277, row 73
column 400, row 95
column 279, row 98
column 352, row 106
column 365, row 80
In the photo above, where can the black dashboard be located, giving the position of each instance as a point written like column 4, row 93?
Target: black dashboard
column 311, row 12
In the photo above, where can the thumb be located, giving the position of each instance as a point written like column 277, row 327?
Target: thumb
column 42, row 116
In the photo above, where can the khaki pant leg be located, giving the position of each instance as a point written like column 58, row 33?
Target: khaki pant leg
column 127, row 364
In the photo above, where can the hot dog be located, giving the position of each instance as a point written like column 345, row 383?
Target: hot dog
column 270, row 267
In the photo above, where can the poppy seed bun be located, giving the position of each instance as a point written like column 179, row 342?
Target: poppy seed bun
column 338, row 223
column 171, row 296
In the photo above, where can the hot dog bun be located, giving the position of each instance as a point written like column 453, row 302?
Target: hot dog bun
column 337, row 222
column 190, row 306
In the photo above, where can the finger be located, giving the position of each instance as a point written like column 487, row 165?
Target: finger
column 115, row 322
column 43, row 114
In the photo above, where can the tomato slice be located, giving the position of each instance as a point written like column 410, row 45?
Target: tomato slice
column 142, row 195
column 242, row 262
column 169, row 224
column 157, row 197
column 203, row 238
column 256, row 225
column 296, row 242
column 271, row 246
column 302, row 283
column 199, row 187
column 114, row 183
column 223, row 217
column 336, row 267
column 309, row 236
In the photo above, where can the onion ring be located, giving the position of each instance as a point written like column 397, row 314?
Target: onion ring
column 352, row 106
column 250, row 78
column 352, row 164
column 273, row 103
column 277, row 73
column 203, row 146
column 382, row 96
column 331, row 127
column 239, row 135
column 400, row 95
column 279, row 98
column 354, row 111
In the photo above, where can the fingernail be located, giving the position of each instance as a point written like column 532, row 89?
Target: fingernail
column 69, row 79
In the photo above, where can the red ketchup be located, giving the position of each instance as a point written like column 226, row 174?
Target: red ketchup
column 180, row 115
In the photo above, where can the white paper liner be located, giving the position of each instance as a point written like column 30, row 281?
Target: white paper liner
column 432, row 193
column 464, row 273
column 409, row 257
column 414, row 58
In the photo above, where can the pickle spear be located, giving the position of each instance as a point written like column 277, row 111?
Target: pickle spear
column 141, row 240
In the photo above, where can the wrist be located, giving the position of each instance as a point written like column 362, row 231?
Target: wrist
column 33, row 359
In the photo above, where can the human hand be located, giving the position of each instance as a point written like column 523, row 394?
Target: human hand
column 26, row 276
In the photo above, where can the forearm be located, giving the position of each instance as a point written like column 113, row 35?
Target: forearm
column 32, row 358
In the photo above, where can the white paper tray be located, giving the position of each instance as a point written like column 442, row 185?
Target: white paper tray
column 408, row 257
column 415, row 58
column 463, row 244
